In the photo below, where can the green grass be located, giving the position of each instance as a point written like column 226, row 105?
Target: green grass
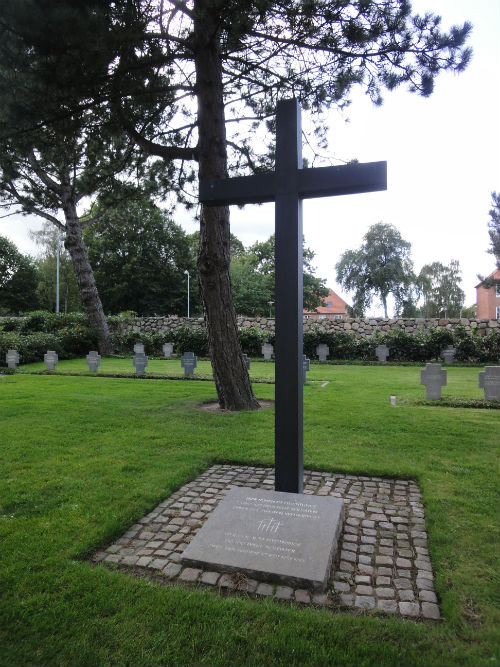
column 85, row 457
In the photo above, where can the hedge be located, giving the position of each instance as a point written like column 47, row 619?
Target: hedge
column 69, row 335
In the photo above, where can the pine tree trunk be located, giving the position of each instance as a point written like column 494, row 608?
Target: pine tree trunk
column 232, row 381
column 75, row 245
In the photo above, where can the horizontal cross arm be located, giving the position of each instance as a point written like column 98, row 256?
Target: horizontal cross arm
column 256, row 189
column 347, row 179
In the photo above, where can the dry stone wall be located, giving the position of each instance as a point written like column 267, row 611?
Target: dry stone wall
column 361, row 327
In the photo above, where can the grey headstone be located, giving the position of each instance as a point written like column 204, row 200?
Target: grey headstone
column 93, row 359
column 286, row 538
column 489, row 380
column 448, row 354
column 246, row 359
column 140, row 362
column 267, row 351
column 168, row 348
column 139, row 348
column 322, row 351
column 189, row 362
column 433, row 377
column 12, row 358
column 306, row 365
column 382, row 352
column 50, row 358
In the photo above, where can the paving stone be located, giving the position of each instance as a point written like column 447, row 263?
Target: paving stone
column 226, row 581
column 406, row 595
column 384, row 571
column 210, row 578
column 341, row 586
column 364, row 590
column 364, row 602
column 365, row 569
column 284, row 592
column 190, row 574
column 158, row 564
column 347, row 599
column 301, row 595
column 383, row 560
column 402, row 583
column 387, row 606
column 403, row 562
column 321, row 599
column 383, row 581
column 113, row 558
column 409, row 608
column 425, row 584
column 144, row 561
column 427, row 596
column 384, row 592
column 264, row 589
column 363, row 579
column 172, row 570
column 430, row 610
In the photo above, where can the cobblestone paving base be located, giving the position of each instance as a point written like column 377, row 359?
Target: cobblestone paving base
column 382, row 562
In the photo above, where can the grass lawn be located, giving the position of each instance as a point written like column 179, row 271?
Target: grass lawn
column 85, row 457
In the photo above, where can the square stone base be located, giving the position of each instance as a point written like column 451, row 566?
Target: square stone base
column 285, row 538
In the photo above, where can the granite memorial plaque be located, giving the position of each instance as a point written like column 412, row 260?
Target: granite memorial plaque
column 286, row 538
column 140, row 362
column 12, row 358
column 93, row 360
column 50, row 358
column 433, row 377
column 168, row 348
column 306, row 365
column 267, row 351
column 489, row 380
column 246, row 359
column 448, row 354
column 382, row 352
column 322, row 351
column 189, row 362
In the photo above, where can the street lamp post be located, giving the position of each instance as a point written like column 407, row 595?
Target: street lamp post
column 57, row 271
column 186, row 272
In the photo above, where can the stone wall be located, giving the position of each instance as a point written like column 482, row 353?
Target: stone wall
column 361, row 327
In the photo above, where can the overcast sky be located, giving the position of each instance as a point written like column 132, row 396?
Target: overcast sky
column 443, row 156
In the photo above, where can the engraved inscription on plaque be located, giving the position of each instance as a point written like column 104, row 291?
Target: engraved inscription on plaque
column 270, row 535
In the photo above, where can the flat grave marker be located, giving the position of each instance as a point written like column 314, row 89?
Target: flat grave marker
column 168, row 348
column 50, row 358
column 267, row 351
column 448, row 354
column 93, row 360
column 382, row 352
column 140, row 361
column 489, row 380
column 433, row 377
column 323, row 351
column 189, row 362
column 306, row 365
column 274, row 536
column 12, row 358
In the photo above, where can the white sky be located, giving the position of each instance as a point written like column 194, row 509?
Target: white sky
column 443, row 156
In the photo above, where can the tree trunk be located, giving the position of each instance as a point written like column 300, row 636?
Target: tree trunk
column 232, row 381
column 85, row 277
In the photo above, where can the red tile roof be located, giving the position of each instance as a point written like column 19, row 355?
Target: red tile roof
column 338, row 305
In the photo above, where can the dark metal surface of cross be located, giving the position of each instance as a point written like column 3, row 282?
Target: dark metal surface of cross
column 287, row 186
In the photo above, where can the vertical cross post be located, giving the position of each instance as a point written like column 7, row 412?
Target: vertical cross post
column 288, row 342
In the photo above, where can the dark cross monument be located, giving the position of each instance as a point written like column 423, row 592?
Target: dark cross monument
column 93, row 359
column 287, row 186
column 448, row 354
column 246, row 359
column 323, row 351
column 168, row 348
column 12, row 358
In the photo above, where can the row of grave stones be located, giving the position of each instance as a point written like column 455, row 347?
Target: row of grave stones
column 433, row 377
column 381, row 352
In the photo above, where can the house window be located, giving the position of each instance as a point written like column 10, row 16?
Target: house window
column 306, row 317
column 330, row 303
column 498, row 312
column 497, row 290
column 322, row 316
column 337, row 317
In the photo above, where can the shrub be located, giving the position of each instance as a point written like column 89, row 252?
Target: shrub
column 252, row 340
column 11, row 324
column 191, row 340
